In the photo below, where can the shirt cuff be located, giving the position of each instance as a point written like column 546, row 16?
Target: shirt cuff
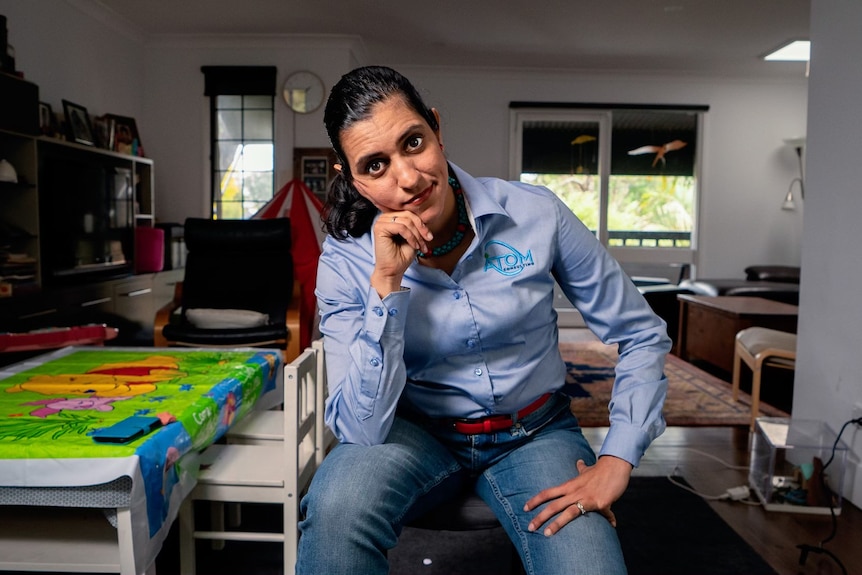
column 388, row 314
column 625, row 442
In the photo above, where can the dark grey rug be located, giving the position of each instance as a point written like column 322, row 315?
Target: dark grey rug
column 664, row 530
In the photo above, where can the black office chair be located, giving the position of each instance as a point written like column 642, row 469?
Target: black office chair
column 238, row 289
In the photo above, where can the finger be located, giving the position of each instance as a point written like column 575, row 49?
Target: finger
column 543, row 497
column 400, row 235
column 410, row 220
column 552, row 492
column 409, row 227
column 561, row 521
column 609, row 515
column 560, row 505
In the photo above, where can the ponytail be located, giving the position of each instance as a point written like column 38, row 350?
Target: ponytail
column 346, row 212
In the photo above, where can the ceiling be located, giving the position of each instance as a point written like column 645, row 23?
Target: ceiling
column 725, row 37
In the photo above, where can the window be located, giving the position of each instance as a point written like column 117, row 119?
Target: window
column 628, row 172
column 242, row 128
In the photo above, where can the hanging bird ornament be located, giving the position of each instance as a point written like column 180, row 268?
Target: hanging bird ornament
column 659, row 151
column 579, row 141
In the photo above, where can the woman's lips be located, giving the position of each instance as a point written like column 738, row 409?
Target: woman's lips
column 420, row 198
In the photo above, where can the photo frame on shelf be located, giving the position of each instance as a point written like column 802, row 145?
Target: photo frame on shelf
column 78, row 123
column 103, row 129
column 124, row 135
column 314, row 166
column 47, row 121
column 314, row 170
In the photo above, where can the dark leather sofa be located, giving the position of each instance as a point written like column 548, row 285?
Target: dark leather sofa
column 778, row 283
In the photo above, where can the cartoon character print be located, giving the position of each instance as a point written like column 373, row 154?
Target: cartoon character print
column 169, row 471
column 52, row 406
column 229, row 410
column 99, row 387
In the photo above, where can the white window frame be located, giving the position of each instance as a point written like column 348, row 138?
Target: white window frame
column 657, row 256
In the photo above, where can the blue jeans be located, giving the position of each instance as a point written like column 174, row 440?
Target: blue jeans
column 362, row 495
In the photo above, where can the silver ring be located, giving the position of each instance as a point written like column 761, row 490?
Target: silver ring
column 581, row 507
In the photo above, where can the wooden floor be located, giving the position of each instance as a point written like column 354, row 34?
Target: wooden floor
column 689, row 452
column 686, row 451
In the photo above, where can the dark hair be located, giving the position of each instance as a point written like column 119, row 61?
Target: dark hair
column 351, row 100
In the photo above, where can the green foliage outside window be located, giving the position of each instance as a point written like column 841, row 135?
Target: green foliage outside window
column 636, row 203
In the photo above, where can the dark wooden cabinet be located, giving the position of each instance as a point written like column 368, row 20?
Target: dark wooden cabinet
column 67, row 238
column 708, row 326
column 70, row 218
column 129, row 304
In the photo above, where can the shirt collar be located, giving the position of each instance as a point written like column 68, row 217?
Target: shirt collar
column 479, row 199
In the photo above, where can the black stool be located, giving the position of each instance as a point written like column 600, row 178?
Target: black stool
column 465, row 512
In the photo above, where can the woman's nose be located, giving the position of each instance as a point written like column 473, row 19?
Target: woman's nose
column 406, row 173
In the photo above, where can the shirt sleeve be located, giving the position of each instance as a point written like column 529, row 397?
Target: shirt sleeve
column 614, row 309
column 364, row 345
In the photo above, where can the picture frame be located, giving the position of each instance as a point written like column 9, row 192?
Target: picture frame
column 314, row 174
column 78, row 125
column 124, row 135
column 103, row 129
column 47, row 121
column 314, row 166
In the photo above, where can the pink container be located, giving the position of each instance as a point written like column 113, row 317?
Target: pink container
column 149, row 250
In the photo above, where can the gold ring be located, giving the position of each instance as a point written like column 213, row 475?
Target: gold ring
column 581, row 507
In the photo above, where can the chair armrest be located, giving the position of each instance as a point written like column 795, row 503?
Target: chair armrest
column 294, row 323
column 163, row 316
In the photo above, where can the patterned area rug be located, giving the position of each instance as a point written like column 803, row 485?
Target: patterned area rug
column 694, row 396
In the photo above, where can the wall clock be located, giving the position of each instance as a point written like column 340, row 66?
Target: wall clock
column 303, row 91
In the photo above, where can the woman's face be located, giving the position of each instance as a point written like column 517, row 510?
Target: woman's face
column 397, row 161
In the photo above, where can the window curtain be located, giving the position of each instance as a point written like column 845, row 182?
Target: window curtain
column 239, row 80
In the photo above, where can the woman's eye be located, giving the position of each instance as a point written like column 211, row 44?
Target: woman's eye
column 414, row 142
column 374, row 167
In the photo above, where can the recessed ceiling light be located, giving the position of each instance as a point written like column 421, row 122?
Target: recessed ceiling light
column 794, row 51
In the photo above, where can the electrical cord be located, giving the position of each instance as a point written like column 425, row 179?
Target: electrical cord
column 714, row 458
column 739, row 494
column 736, row 494
column 806, row 549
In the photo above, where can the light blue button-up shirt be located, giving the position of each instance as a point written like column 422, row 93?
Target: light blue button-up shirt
column 484, row 339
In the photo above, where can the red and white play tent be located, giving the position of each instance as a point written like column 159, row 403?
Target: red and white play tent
column 297, row 202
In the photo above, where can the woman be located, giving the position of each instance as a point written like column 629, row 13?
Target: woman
column 436, row 298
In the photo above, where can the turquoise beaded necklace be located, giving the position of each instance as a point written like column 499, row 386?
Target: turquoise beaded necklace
column 463, row 224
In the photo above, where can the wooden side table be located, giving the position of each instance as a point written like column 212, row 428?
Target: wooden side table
column 708, row 325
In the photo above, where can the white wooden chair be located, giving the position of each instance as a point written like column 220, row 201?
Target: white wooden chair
column 276, row 472
column 262, row 427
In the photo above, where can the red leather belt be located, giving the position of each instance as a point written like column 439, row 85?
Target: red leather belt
column 494, row 423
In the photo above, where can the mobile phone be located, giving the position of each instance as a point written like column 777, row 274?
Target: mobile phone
column 127, row 430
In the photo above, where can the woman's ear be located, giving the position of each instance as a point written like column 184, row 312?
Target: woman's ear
column 337, row 168
column 437, row 132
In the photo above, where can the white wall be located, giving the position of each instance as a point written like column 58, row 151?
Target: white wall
column 73, row 55
column 829, row 366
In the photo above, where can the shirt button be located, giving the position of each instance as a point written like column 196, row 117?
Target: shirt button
column 478, row 371
column 393, row 312
column 471, row 343
column 456, row 295
column 378, row 311
column 374, row 362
